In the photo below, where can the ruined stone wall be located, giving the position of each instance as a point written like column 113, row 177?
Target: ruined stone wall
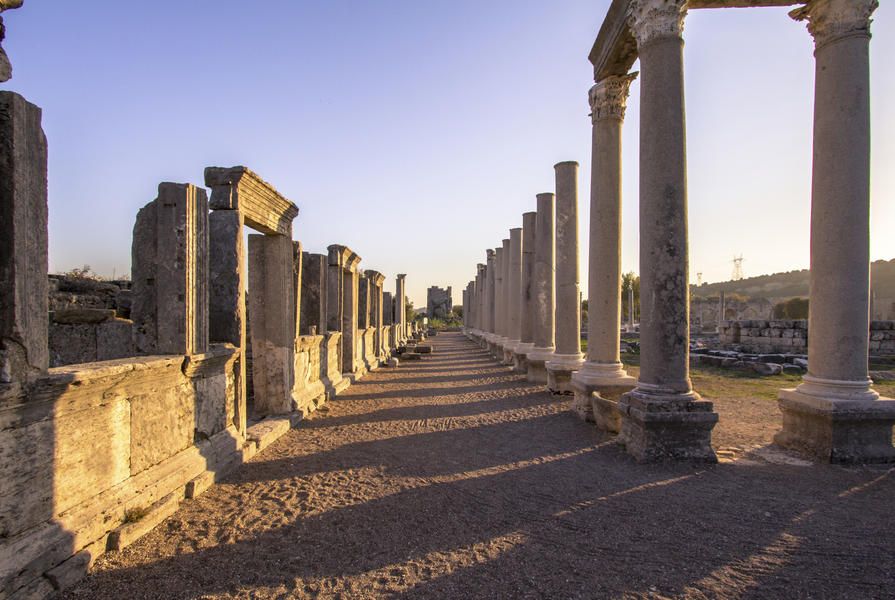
column 791, row 336
column 439, row 302
column 95, row 455
column 704, row 311
column 309, row 391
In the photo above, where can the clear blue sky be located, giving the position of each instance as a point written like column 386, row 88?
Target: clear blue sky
column 417, row 132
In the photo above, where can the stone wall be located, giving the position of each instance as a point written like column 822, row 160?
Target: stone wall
column 791, row 336
column 94, row 455
column 309, row 391
column 439, row 302
column 704, row 311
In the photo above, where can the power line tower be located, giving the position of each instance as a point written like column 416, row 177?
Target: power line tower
column 737, row 268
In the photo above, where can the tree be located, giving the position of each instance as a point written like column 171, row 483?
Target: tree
column 794, row 308
column 409, row 314
column 458, row 312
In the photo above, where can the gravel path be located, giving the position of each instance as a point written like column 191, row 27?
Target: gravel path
column 453, row 478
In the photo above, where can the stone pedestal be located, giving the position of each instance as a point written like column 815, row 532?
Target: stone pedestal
column 603, row 374
column 662, row 418
column 24, row 327
column 567, row 358
column 544, row 291
column 835, row 414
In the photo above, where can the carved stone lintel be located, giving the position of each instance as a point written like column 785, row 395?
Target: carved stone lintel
column 832, row 19
column 609, row 97
column 653, row 19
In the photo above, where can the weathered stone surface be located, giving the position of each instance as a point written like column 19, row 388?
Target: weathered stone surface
column 170, row 272
column 161, row 426
column 23, row 240
column 240, row 189
column 131, row 531
column 80, row 316
column 272, row 316
column 439, row 302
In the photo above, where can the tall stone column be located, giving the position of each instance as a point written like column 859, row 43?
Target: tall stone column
column 514, row 301
column 602, row 379
column 493, row 345
column 663, row 417
column 834, row 413
column 401, row 308
column 23, row 241
column 544, row 290
column 504, row 288
column 489, row 299
column 526, row 293
column 568, row 357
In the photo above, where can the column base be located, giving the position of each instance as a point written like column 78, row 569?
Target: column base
column 537, row 364
column 520, row 357
column 657, row 426
column 835, row 430
column 509, row 351
column 606, row 381
column 559, row 372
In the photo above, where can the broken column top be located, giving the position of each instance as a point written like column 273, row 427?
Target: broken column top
column 240, row 188
column 343, row 256
column 375, row 276
column 5, row 65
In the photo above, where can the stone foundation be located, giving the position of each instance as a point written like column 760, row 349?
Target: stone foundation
column 791, row 336
column 655, row 428
column 847, row 432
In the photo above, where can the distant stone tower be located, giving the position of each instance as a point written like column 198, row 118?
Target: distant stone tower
column 439, row 303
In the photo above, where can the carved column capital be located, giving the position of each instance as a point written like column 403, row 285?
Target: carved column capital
column 832, row 19
column 608, row 98
column 653, row 19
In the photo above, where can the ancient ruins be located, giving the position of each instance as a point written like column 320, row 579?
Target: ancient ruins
column 218, row 346
column 834, row 413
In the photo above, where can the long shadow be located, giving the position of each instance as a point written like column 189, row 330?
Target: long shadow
column 435, row 411
column 496, row 386
column 590, row 525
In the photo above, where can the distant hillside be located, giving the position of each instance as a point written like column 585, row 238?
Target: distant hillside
column 794, row 283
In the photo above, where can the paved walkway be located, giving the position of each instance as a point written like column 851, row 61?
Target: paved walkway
column 453, row 478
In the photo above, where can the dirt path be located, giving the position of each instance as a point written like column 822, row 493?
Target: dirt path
column 453, row 478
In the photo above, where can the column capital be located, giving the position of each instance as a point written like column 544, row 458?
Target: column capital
column 653, row 19
column 608, row 98
column 832, row 19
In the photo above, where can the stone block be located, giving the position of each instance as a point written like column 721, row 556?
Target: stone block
column 170, row 272
column 656, row 428
column 144, row 521
column 846, row 432
column 23, row 241
column 161, row 425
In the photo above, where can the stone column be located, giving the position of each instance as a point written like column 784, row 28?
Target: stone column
column 602, row 379
column 503, row 258
column 514, row 300
column 352, row 363
column 526, row 293
column 568, row 358
column 489, row 299
column 544, row 299
column 170, row 272
column 23, row 241
column 272, row 320
column 400, row 308
column 663, row 417
column 835, row 414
